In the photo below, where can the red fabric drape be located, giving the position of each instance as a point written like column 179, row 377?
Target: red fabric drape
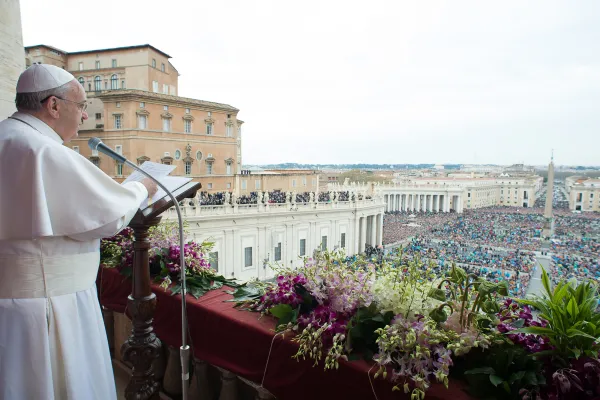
column 239, row 341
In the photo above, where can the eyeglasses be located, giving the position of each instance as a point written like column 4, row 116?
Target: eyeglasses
column 82, row 105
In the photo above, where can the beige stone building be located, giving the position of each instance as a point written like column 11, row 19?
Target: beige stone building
column 134, row 108
column 584, row 193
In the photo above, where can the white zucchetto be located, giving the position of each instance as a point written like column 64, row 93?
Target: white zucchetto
column 40, row 77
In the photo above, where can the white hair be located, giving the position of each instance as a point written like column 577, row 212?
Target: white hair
column 33, row 101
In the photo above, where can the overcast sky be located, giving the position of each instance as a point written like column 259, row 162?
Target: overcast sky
column 371, row 81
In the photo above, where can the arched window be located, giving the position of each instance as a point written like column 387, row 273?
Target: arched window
column 97, row 84
column 114, row 82
column 81, row 81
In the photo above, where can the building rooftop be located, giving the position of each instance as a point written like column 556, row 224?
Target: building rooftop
column 139, row 46
column 135, row 93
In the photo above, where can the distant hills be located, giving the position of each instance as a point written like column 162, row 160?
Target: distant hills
column 352, row 166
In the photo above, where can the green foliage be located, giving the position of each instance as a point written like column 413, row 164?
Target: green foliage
column 361, row 330
column 573, row 325
column 198, row 285
column 473, row 298
column 506, row 369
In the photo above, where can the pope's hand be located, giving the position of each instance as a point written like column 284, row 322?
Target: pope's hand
column 150, row 186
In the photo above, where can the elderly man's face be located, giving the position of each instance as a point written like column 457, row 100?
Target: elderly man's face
column 71, row 113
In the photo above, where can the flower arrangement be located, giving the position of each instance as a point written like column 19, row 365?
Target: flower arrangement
column 418, row 327
column 164, row 259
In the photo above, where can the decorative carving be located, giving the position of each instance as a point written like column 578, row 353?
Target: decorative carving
column 142, row 112
column 312, row 197
column 188, row 117
column 227, row 198
column 142, row 347
column 166, row 114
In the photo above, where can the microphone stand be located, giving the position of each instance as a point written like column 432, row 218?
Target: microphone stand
column 184, row 350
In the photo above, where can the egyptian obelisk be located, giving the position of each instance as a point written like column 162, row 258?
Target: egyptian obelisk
column 548, row 217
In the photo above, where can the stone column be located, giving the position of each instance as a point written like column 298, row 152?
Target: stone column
column 12, row 55
column 363, row 234
column 435, row 203
column 374, row 227
column 460, row 205
column 379, row 229
column 356, row 236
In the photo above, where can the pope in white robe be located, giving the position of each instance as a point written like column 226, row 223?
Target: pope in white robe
column 55, row 205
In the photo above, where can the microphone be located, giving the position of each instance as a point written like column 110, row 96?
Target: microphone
column 97, row 144
column 184, row 351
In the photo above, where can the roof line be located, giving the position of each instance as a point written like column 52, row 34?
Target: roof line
column 103, row 50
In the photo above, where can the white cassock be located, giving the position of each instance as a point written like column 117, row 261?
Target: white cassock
column 55, row 205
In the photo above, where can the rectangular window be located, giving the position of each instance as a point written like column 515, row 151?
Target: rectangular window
column 97, row 64
column 117, row 121
column 209, row 129
column 95, row 153
column 119, row 149
column 244, row 184
column 122, row 84
column 293, row 183
column 323, row 243
column 155, row 86
column 210, row 185
column 343, row 241
column 166, row 124
column 228, row 130
column 214, row 260
column 166, row 108
column 118, row 104
column 162, row 67
column 142, row 104
column 302, row 247
column 188, row 168
column 209, row 169
column 278, row 252
column 142, row 122
column 98, row 116
column 76, row 149
column 80, row 66
column 153, row 63
column 304, row 181
column 165, row 89
column 314, row 182
column 114, row 63
column 187, row 110
column 257, row 184
column 119, row 169
column 173, row 92
column 247, row 257
column 228, row 185
column 187, row 126
column 228, row 169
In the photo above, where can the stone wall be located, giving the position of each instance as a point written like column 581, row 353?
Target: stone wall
column 12, row 54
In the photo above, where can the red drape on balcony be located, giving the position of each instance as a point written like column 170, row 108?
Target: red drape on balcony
column 239, row 341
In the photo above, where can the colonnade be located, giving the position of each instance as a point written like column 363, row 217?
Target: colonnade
column 423, row 202
column 369, row 229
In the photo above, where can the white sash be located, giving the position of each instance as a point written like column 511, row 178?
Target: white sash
column 27, row 277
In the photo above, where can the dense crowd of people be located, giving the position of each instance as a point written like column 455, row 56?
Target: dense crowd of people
column 273, row 197
column 498, row 242
column 493, row 264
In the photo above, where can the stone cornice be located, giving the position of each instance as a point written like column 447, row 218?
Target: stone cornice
column 136, row 95
column 188, row 117
column 142, row 112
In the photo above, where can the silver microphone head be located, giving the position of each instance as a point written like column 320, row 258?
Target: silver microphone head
column 94, row 142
